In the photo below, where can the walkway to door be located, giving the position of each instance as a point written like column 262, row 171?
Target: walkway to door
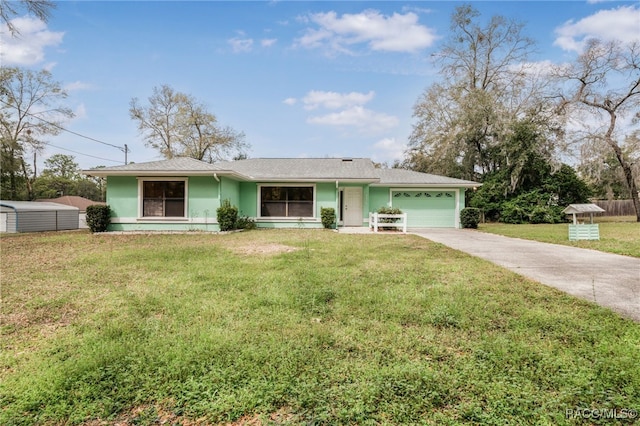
column 614, row 279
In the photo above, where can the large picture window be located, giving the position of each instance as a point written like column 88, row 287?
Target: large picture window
column 286, row 201
column 163, row 198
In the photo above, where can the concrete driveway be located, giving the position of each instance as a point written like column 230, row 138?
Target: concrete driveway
column 615, row 278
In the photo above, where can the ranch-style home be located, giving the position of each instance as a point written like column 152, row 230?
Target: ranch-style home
column 184, row 193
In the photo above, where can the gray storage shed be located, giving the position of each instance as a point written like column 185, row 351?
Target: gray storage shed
column 27, row 216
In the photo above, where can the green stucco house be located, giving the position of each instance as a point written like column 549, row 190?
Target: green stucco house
column 184, row 193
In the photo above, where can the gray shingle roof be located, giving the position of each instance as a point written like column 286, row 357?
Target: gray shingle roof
column 303, row 168
column 409, row 177
column 286, row 169
column 178, row 165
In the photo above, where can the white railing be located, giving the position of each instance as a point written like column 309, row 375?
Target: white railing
column 375, row 221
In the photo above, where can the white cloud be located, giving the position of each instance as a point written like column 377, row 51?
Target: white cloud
column 241, row 45
column 290, row 101
column 394, row 33
column 367, row 121
column 77, row 85
column 334, row 100
column 613, row 24
column 80, row 112
column 389, row 148
column 27, row 48
column 268, row 42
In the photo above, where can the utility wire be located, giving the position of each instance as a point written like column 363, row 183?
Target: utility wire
column 80, row 153
column 124, row 149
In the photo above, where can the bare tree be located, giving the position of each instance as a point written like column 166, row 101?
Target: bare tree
column 9, row 9
column 604, row 85
column 179, row 126
column 30, row 110
column 485, row 87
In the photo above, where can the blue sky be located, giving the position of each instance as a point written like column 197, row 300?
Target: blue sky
column 300, row 79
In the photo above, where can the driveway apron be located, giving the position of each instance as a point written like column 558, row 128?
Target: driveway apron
column 613, row 279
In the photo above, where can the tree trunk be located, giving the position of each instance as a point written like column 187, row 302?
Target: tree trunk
column 27, row 181
column 626, row 167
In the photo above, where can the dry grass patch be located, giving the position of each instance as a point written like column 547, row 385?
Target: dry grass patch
column 264, row 249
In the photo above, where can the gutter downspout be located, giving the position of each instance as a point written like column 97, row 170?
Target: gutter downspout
column 215, row 176
column 337, row 203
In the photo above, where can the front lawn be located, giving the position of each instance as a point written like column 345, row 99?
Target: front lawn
column 615, row 237
column 296, row 327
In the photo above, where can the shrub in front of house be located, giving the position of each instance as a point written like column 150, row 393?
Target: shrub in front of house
column 98, row 217
column 245, row 222
column 470, row 217
column 227, row 215
column 328, row 217
column 388, row 210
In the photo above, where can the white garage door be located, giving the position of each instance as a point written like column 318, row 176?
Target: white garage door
column 426, row 209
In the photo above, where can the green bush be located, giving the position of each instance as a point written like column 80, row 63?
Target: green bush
column 389, row 210
column 98, row 217
column 227, row 216
column 470, row 217
column 328, row 216
column 245, row 222
column 532, row 207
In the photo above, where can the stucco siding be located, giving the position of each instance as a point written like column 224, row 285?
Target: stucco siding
column 325, row 196
column 203, row 198
column 248, row 204
column 230, row 190
column 122, row 196
column 378, row 197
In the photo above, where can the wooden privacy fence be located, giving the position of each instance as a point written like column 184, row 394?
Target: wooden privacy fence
column 616, row 207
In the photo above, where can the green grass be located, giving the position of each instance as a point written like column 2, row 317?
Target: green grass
column 295, row 327
column 619, row 237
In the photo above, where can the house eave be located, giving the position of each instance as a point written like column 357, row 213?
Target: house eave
column 162, row 173
column 312, row 180
column 427, row 185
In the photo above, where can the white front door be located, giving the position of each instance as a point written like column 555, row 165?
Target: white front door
column 352, row 215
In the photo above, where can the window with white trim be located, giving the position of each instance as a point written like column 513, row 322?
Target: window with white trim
column 286, row 201
column 163, row 198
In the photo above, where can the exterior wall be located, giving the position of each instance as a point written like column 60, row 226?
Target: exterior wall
column 203, row 199
column 122, row 196
column 230, row 190
column 10, row 218
column 38, row 221
column 248, row 203
column 205, row 194
column 325, row 196
column 378, row 197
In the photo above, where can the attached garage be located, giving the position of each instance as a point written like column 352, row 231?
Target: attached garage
column 26, row 216
column 427, row 209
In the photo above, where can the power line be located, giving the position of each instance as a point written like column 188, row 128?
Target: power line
column 80, row 153
column 124, row 149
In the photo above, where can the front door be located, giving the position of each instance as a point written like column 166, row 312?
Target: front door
column 352, row 215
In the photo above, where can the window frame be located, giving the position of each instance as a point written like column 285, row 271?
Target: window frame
column 142, row 180
column 286, row 185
